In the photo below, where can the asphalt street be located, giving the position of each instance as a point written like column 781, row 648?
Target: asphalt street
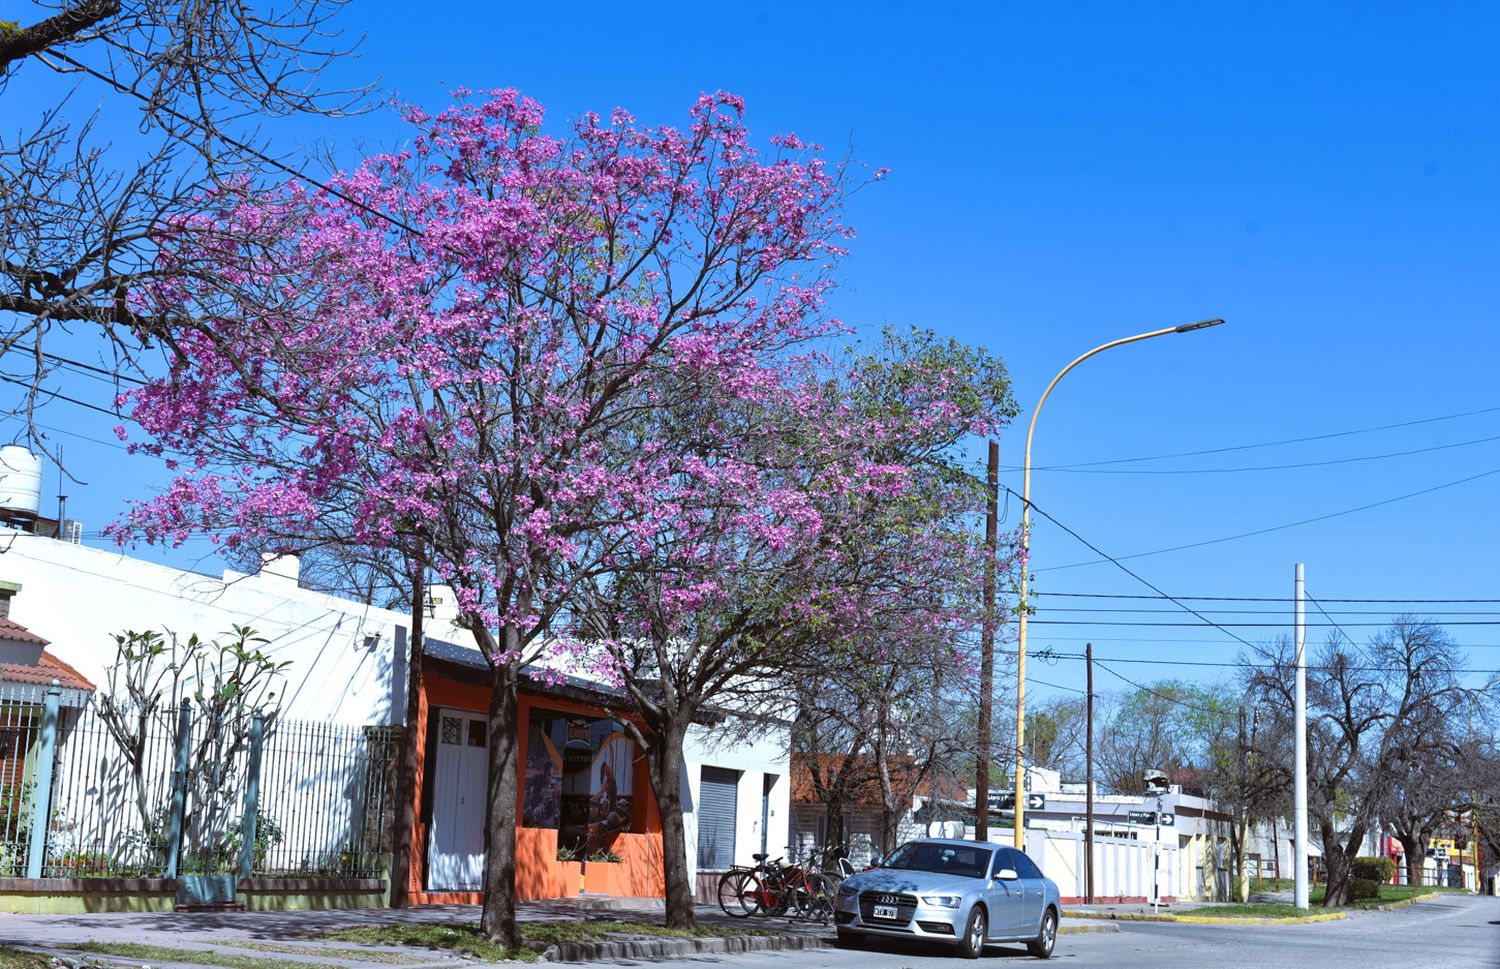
column 1453, row 932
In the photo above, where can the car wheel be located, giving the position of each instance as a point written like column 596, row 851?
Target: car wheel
column 973, row 940
column 849, row 939
column 1046, row 939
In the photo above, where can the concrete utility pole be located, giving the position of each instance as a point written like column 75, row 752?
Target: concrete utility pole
column 1299, row 729
column 987, row 647
column 1088, row 781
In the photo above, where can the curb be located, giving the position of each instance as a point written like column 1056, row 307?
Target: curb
column 670, row 948
column 1391, row 907
column 1294, row 920
column 1119, row 916
column 1106, row 928
column 1208, row 919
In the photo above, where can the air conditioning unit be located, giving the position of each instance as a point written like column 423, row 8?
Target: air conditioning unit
column 72, row 531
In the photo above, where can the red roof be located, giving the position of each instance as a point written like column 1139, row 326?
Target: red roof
column 14, row 631
column 47, row 669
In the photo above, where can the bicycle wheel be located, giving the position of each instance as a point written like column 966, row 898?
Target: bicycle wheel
column 825, row 888
column 739, row 893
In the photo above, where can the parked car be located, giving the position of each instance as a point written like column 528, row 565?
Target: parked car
column 966, row 893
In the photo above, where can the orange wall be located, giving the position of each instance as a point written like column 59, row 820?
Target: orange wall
column 538, row 872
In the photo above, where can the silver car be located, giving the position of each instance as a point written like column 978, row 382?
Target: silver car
column 966, row 893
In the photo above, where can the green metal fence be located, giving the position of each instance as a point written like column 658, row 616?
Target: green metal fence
column 187, row 796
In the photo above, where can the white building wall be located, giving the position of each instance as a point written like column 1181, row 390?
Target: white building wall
column 755, row 751
column 347, row 659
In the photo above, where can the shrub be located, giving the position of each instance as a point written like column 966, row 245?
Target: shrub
column 1363, row 888
column 1373, row 869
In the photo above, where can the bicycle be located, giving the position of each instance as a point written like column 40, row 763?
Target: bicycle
column 752, row 891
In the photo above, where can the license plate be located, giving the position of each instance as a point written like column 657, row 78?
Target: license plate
column 885, row 912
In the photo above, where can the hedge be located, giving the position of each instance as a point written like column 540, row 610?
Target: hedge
column 1373, row 869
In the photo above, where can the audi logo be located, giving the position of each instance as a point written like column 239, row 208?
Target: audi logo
column 890, row 899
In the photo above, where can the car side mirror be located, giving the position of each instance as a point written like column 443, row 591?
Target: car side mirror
column 1007, row 875
column 875, row 860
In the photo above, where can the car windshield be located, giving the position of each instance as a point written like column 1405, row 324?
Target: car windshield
column 962, row 861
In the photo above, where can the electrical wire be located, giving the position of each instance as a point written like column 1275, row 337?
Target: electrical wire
column 1079, row 657
column 88, row 369
column 1279, row 467
column 53, row 394
column 1147, row 689
column 1123, row 568
column 1126, row 595
column 1265, row 444
column 1237, row 625
column 1274, row 528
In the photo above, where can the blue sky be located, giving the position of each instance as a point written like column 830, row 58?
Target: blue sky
column 1320, row 175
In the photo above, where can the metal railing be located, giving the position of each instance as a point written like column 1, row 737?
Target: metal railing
column 107, row 809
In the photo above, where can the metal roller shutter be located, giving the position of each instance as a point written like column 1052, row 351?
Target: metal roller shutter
column 718, row 793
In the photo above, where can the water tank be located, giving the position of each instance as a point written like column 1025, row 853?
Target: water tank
column 20, row 481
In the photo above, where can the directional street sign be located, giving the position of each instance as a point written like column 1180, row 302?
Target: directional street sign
column 1142, row 817
column 1036, row 802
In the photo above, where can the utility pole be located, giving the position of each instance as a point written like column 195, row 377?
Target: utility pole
column 1299, row 728
column 987, row 647
column 1088, row 780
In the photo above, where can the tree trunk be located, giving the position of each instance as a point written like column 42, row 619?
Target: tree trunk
column 1416, row 858
column 833, row 828
column 664, row 756
column 1338, row 863
column 498, row 920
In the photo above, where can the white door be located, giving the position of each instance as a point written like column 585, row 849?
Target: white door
column 455, row 844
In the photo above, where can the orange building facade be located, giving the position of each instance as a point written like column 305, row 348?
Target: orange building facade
column 587, row 819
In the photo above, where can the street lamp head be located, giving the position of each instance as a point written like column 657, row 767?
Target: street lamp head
column 1201, row 324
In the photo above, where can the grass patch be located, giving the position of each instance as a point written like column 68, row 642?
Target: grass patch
column 459, row 937
column 1278, row 910
column 354, row 955
column 16, row 959
column 201, row 957
column 537, row 937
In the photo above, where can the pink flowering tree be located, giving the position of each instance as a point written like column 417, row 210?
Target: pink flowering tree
column 452, row 345
column 829, row 526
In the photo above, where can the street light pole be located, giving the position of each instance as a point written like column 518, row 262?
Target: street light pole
column 1020, row 834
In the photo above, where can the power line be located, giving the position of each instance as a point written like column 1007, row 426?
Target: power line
column 1055, row 686
column 1174, row 641
column 1098, row 551
column 1238, row 625
column 103, row 372
column 1265, row 444
column 1249, row 612
column 60, row 396
column 1169, row 699
column 1275, row 528
column 233, row 143
column 1127, row 595
column 1279, row 467
column 1250, row 666
column 1347, row 638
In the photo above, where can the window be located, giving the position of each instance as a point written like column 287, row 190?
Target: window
column 580, row 779
column 718, row 794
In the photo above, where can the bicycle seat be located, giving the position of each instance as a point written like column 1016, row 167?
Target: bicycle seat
column 760, row 857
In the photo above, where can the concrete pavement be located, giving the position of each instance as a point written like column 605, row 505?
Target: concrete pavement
column 1451, row 932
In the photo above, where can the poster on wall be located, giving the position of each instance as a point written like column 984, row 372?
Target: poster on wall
column 580, row 775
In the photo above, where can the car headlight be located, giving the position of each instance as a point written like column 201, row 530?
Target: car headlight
column 942, row 901
column 847, row 890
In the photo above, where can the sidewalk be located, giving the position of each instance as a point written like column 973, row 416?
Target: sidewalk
column 283, row 935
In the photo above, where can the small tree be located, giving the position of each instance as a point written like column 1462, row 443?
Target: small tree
column 1372, row 712
column 225, row 681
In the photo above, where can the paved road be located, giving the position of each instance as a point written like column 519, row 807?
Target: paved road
column 1454, row 932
